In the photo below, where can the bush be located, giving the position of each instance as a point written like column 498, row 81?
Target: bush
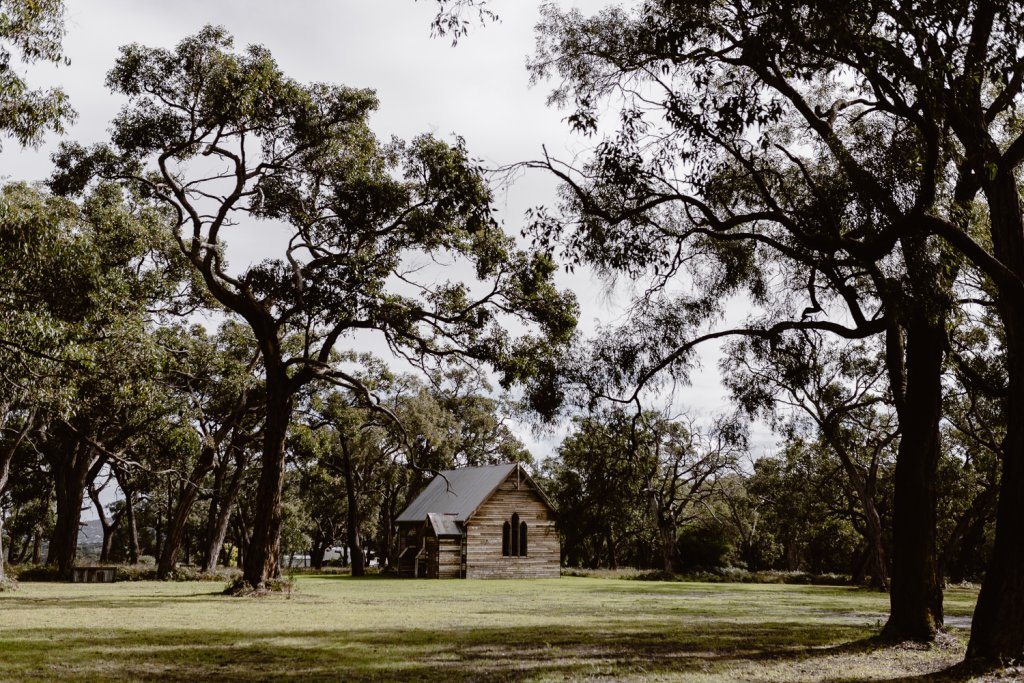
column 618, row 573
column 720, row 575
column 135, row 572
column 37, row 572
column 197, row 574
column 8, row 584
column 656, row 575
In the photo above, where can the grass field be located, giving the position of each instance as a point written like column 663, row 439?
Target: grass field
column 339, row 628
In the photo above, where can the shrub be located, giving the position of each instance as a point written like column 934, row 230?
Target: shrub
column 38, row 572
column 183, row 573
column 135, row 572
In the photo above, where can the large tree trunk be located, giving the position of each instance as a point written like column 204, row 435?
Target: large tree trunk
column 355, row 541
column 262, row 555
column 916, row 591
column 997, row 631
column 667, row 535
column 73, row 467
column 317, row 550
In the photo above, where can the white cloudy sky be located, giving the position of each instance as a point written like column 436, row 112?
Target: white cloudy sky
column 479, row 90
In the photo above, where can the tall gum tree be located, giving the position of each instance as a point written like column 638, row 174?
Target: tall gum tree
column 953, row 73
column 80, row 282
column 226, row 140
column 740, row 161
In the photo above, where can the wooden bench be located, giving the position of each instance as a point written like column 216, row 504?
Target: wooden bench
column 93, row 574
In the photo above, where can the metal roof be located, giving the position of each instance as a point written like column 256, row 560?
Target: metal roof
column 444, row 525
column 457, row 492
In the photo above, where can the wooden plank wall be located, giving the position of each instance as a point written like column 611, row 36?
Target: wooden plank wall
column 483, row 552
column 449, row 558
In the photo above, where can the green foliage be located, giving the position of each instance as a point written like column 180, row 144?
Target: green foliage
column 357, row 209
column 625, row 485
column 37, row 573
column 31, row 31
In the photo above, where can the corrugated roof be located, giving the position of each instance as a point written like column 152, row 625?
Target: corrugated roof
column 463, row 492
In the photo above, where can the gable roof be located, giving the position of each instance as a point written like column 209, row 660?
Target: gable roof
column 465, row 490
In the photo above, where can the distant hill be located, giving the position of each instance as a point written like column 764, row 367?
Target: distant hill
column 90, row 533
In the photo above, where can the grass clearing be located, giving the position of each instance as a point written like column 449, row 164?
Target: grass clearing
column 340, row 628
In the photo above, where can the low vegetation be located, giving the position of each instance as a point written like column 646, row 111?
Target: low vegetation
column 376, row 628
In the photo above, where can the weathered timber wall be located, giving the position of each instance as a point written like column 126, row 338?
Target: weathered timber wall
column 483, row 553
column 449, row 558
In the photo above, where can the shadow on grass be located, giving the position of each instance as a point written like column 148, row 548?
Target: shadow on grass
column 347, row 577
column 606, row 649
column 958, row 673
column 105, row 601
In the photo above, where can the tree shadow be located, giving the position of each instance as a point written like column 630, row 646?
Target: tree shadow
column 958, row 673
column 612, row 648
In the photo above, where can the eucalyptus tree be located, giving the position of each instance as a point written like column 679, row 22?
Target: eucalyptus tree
column 31, row 31
column 689, row 461
column 479, row 421
column 117, row 406
column 626, row 486
column 806, row 508
column 345, row 450
column 974, row 431
column 806, row 383
column 220, row 137
column 229, row 478
column 948, row 74
column 216, row 376
column 80, row 281
column 742, row 167
column 597, row 486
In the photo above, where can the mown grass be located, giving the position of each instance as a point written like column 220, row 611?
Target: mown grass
column 340, row 628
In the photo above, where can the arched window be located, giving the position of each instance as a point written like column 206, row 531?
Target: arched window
column 522, row 539
column 506, row 541
column 515, row 535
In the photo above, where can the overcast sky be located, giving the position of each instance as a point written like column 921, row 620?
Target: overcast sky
column 479, row 90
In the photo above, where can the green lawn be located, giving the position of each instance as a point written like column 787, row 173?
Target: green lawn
column 339, row 628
